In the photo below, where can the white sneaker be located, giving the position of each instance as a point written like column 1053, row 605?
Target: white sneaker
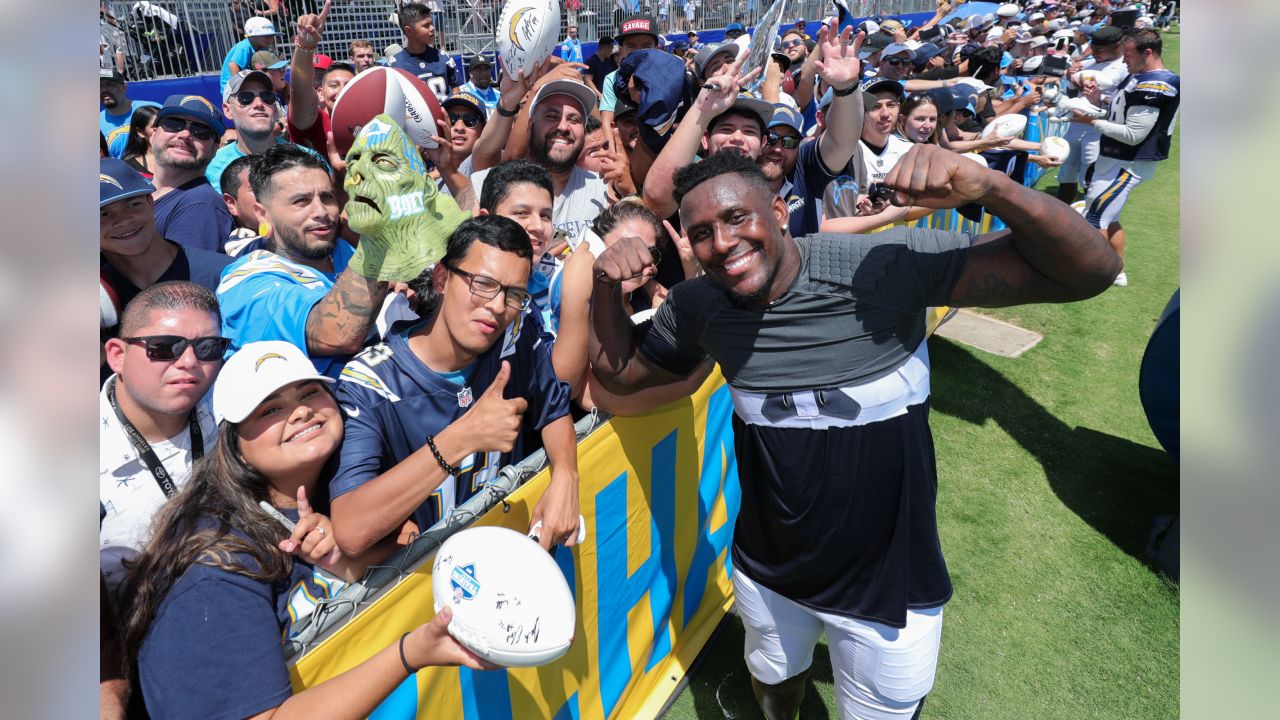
column 1121, row 280
column 1079, row 206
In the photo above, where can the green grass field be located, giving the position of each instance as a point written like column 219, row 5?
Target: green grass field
column 1049, row 479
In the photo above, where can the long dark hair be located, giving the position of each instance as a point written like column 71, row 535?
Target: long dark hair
column 195, row 527
column 138, row 143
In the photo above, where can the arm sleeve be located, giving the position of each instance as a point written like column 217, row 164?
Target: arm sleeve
column 670, row 339
column 214, row 651
column 1138, row 122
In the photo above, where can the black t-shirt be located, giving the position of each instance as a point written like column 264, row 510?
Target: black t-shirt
column 201, row 267
column 599, row 69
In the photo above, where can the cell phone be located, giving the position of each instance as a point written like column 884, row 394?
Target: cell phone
column 879, row 193
column 1062, row 44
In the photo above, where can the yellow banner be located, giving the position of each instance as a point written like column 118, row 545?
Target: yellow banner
column 660, row 494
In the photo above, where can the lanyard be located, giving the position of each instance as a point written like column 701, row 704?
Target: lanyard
column 143, row 448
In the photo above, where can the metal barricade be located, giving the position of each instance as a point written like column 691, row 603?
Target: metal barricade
column 181, row 38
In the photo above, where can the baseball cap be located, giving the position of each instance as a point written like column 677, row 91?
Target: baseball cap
column 870, row 27
column 585, row 96
column 754, row 105
column 1039, row 41
column 892, row 26
column 962, row 99
column 257, row 26
column 874, row 43
column 1108, row 35
column 895, row 49
column 239, row 79
column 110, row 75
column 1064, row 33
column 479, row 61
column 268, row 60
column 1123, row 18
column 925, row 53
column 320, row 61
column 710, row 51
column 784, row 114
column 117, row 181
column 880, row 84
column 1035, row 16
column 994, row 33
column 735, row 26
column 1086, row 30
column 639, row 24
column 943, row 99
column 254, row 372
column 192, row 107
column 462, row 96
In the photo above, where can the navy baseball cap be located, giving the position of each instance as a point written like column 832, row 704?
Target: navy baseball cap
column 117, row 181
column 942, row 99
column 784, row 114
column 962, row 99
column 193, row 107
column 880, row 84
column 735, row 26
column 925, row 53
column 462, row 96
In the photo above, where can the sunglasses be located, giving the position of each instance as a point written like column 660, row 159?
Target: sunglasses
column 791, row 43
column 483, row 286
column 470, row 121
column 171, row 347
column 175, row 125
column 789, row 142
column 245, row 97
column 896, row 61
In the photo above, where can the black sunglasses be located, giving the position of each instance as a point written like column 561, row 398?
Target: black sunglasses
column 896, row 61
column 171, row 347
column 791, row 43
column 789, row 142
column 245, row 97
column 175, row 125
column 486, row 287
column 470, row 121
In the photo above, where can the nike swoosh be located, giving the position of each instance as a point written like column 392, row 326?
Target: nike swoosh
column 351, row 412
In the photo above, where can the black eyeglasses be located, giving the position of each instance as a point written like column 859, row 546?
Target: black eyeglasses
column 486, row 287
column 171, row 347
column 245, row 97
column 789, row 142
column 176, row 125
column 470, row 121
column 895, row 61
column 791, row 43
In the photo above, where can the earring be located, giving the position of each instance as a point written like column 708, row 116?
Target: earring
column 264, row 229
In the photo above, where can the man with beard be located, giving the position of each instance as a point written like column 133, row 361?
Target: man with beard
column 117, row 110
column 822, row 342
column 722, row 119
column 251, row 103
column 557, row 133
column 188, row 210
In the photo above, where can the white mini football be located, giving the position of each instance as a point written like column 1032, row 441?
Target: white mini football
column 511, row 604
column 1006, row 126
column 1079, row 104
column 1055, row 148
column 528, row 30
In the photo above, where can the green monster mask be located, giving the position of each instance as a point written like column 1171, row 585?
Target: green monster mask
column 403, row 220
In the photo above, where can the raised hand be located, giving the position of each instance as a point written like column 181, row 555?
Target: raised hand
column 615, row 165
column 493, row 422
column 933, row 177
column 514, row 86
column 312, row 538
column 692, row 268
column 839, row 67
column 311, row 27
column 442, row 155
column 628, row 258
column 721, row 90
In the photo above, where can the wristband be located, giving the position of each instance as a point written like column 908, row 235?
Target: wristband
column 304, row 48
column 444, row 464
column 403, row 660
column 504, row 113
column 845, row 92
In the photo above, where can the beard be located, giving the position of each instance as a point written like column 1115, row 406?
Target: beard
column 165, row 159
column 109, row 101
column 290, row 241
column 539, row 149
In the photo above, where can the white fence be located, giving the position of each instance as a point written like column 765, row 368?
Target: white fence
column 180, row 38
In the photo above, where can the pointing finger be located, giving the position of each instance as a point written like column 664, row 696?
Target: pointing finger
column 304, row 507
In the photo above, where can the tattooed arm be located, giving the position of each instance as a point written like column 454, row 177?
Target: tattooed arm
column 340, row 322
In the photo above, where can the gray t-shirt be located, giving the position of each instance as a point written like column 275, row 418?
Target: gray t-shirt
column 855, row 312
column 584, row 197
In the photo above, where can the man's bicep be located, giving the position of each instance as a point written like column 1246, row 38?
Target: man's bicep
column 994, row 274
column 660, row 356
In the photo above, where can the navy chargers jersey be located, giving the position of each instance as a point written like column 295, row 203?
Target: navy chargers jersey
column 432, row 67
column 1157, row 89
column 391, row 401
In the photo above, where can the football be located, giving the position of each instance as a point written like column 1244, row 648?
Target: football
column 1055, row 148
column 510, row 602
column 528, row 30
column 1006, row 126
column 376, row 91
column 421, row 109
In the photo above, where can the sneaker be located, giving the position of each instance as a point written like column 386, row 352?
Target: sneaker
column 1121, row 280
column 1079, row 206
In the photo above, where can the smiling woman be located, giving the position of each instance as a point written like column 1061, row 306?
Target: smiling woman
column 240, row 556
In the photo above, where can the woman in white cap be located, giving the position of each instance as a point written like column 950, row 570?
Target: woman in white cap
column 239, row 556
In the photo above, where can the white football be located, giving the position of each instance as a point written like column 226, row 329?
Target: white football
column 511, row 604
column 528, row 30
column 1082, row 105
column 1055, row 148
column 421, row 108
column 1006, row 126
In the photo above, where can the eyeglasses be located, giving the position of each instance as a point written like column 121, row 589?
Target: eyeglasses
column 486, row 287
column 789, row 142
column 245, row 97
column 175, row 125
column 470, row 121
column 171, row 347
column 791, row 43
column 896, row 61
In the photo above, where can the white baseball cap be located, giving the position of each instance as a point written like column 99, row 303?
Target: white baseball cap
column 256, row 371
column 585, row 96
column 895, row 49
column 256, row 26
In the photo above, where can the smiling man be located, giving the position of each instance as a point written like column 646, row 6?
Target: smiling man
column 436, row 410
column 183, row 139
column 821, row 340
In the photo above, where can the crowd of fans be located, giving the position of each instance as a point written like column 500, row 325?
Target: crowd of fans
column 277, row 414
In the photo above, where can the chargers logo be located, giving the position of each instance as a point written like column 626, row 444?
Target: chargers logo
column 105, row 178
column 201, row 100
column 464, row 583
column 524, row 23
column 258, row 365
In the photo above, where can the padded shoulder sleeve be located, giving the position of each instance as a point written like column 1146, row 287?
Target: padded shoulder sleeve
column 906, row 269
